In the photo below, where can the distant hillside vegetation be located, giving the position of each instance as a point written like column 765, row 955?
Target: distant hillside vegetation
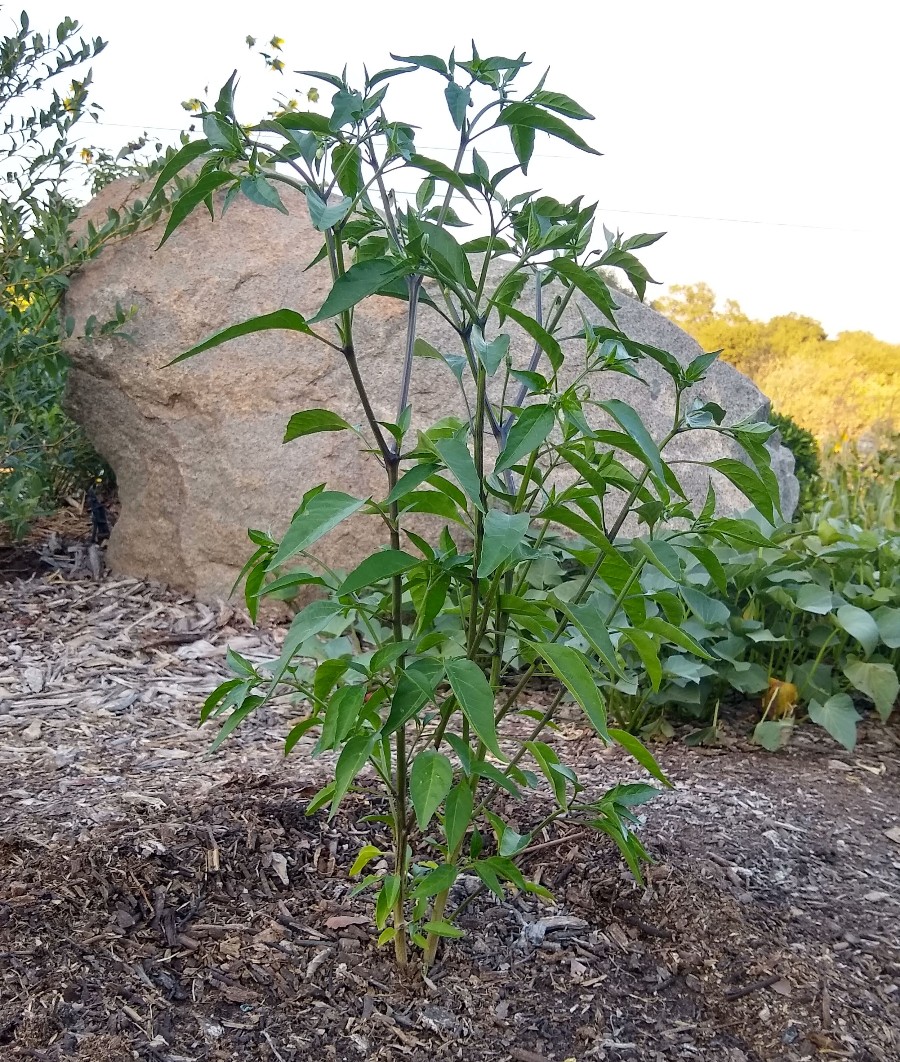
column 832, row 387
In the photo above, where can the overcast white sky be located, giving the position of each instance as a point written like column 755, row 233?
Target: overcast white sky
column 762, row 137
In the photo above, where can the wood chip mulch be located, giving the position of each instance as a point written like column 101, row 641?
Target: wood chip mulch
column 164, row 905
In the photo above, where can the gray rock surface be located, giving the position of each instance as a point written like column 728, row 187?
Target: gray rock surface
column 197, row 447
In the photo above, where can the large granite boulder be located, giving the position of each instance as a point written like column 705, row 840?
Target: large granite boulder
column 197, row 447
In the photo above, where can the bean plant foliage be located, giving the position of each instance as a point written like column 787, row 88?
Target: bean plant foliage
column 452, row 629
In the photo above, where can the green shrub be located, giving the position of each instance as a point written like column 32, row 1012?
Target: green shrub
column 862, row 479
column 807, row 463
column 452, row 629
column 44, row 456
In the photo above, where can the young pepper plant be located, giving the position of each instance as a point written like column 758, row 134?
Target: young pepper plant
column 451, row 634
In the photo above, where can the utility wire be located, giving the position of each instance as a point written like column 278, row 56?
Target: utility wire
column 607, row 209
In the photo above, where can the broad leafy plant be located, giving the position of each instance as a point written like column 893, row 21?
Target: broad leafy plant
column 416, row 665
column 812, row 609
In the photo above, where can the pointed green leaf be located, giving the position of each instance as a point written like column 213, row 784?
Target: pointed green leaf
column 289, row 320
column 324, row 215
column 570, row 667
column 457, row 458
column 193, row 197
column 588, row 621
column 526, row 114
column 359, row 282
column 503, row 534
column 632, row 424
column 351, row 761
column 458, row 809
column 589, row 283
column 528, row 432
column 183, row 157
column 311, row 421
column 640, row 752
column 314, row 519
column 381, row 565
column 429, row 783
column 435, row 881
column 476, row 698
column 548, row 343
column 748, row 483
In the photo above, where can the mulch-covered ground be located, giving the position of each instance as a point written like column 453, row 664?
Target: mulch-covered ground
column 158, row 903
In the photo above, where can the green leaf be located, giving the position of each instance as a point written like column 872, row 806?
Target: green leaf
column 548, row 343
column 557, row 101
column 531, row 117
column 490, row 354
column 503, row 534
column 429, row 62
column 437, row 880
column 656, row 625
column 640, row 752
column 381, row 565
column 588, row 621
column 442, row 172
column 411, row 479
column 366, row 854
column 632, row 424
column 648, row 651
column 323, row 215
column 748, row 483
column 429, row 783
column 289, row 320
column 457, row 458
column 183, row 157
column 315, row 518
column 528, row 432
column 476, row 698
column 888, row 621
column 457, row 102
column 262, row 192
column 878, row 681
column 814, row 598
column 589, row 283
column 359, row 282
column 384, row 905
column 773, row 734
column 522, row 140
column 708, row 610
column 341, row 717
column 310, row 621
column 443, row 929
column 415, row 687
column 838, row 716
column 458, row 809
column 570, row 667
column 193, row 197
column 351, row 761
column 860, row 625
column 311, row 421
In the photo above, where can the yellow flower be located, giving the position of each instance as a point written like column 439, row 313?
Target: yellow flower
column 313, row 95
column 276, row 64
column 192, row 105
column 87, row 156
column 276, row 43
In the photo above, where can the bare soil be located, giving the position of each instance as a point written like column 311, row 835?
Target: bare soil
column 164, row 905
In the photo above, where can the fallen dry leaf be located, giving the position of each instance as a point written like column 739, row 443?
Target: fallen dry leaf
column 342, row 921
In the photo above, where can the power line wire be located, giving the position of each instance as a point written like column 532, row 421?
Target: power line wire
column 608, row 209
